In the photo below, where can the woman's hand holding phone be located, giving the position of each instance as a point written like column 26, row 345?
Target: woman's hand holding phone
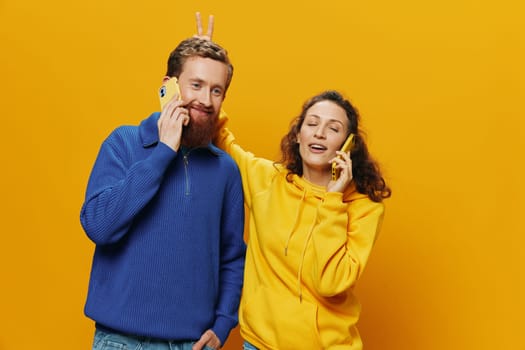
column 342, row 167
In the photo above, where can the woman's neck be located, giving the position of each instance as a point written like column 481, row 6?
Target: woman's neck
column 317, row 177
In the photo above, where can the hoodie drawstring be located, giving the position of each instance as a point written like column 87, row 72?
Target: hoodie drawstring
column 300, row 270
column 297, row 214
column 307, row 240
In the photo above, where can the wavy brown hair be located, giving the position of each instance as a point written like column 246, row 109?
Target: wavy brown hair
column 197, row 47
column 366, row 172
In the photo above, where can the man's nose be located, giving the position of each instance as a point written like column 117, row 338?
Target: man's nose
column 205, row 97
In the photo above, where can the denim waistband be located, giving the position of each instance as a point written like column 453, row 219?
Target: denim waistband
column 138, row 337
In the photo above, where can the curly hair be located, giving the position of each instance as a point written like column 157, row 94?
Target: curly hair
column 192, row 47
column 366, row 172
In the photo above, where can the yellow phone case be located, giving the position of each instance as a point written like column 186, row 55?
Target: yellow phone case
column 168, row 89
column 347, row 146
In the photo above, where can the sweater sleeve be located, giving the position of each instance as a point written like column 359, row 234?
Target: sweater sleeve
column 118, row 189
column 233, row 251
column 343, row 239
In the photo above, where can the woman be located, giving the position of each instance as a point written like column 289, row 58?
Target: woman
column 310, row 235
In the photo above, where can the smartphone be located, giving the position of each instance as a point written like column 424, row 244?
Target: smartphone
column 168, row 89
column 347, row 146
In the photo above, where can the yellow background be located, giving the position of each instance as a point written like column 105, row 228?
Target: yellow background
column 440, row 86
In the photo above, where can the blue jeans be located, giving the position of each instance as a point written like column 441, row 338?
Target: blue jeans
column 248, row 346
column 115, row 341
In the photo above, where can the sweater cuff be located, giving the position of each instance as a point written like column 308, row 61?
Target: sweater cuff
column 223, row 327
column 162, row 156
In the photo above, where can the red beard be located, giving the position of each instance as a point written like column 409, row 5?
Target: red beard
column 199, row 131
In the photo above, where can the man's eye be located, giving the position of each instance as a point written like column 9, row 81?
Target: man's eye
column 217, row 92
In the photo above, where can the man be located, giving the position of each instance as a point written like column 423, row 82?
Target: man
column 165, row 210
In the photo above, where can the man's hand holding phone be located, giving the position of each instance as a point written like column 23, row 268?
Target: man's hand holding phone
column 174, row 115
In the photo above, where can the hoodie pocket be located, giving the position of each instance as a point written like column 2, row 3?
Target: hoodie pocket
column 280, row 321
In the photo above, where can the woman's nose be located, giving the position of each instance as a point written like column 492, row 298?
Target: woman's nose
column 319, row 132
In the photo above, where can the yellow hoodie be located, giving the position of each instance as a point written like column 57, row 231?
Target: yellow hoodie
column 306, row 250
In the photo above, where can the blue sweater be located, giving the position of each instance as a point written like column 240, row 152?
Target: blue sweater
column 168, row 228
